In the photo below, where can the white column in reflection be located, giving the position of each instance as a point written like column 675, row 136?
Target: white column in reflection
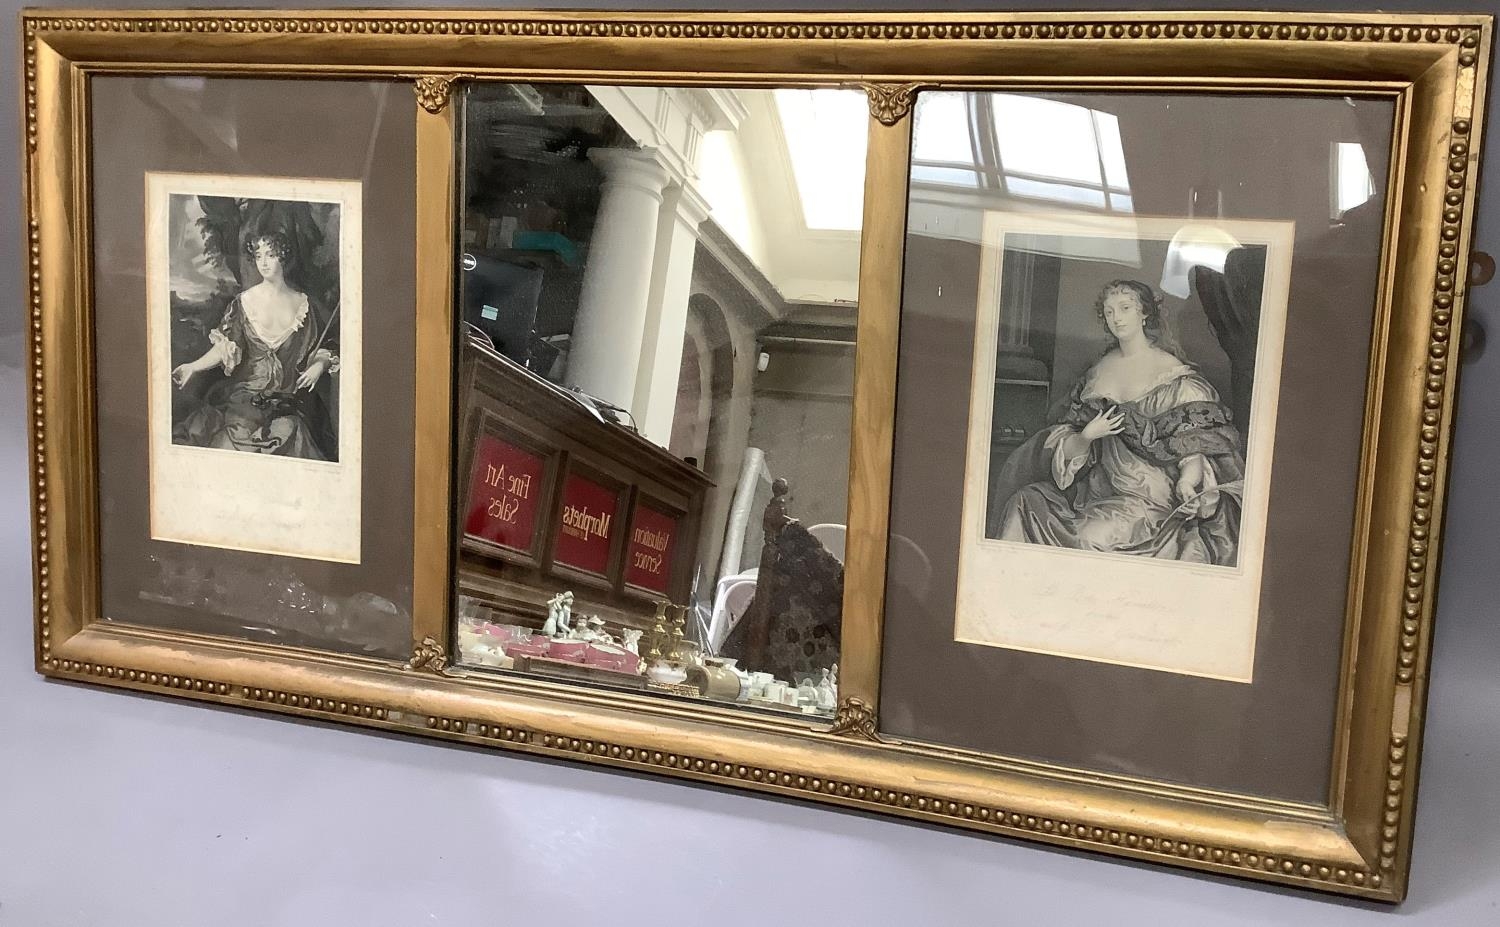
column 655, row 405
column 604, row 353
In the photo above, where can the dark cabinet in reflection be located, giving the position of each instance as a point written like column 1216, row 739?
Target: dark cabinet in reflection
column 554, row 497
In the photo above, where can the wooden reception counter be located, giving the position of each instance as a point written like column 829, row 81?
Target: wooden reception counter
column 554, row 498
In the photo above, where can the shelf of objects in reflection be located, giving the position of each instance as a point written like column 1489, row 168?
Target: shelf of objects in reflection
column 583, row 648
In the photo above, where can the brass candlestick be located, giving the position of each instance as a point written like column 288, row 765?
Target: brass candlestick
column 658, row 636
column 679, row 623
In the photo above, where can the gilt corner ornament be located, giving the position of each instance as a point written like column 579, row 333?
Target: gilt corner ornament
column 428, row 655
column 855, row 718
column 889, row 103
column 433, row 91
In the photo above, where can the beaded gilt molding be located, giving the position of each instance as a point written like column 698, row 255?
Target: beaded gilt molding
column 1461, row 43
column 804, row 783
column 1202, row 26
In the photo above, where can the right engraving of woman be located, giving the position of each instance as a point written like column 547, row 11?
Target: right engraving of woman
column 1143, row 459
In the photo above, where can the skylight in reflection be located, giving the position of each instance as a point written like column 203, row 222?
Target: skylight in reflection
column 1353, row 184
column 1021, row 146
column 826, row 132
column 943, row 135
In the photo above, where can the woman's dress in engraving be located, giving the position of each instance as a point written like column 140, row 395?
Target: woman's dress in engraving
column 256, row 407
column 1121, row 495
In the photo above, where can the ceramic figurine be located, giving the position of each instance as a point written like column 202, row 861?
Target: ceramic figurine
column 632, row 640
column 807, row 693
column 559, row 615
column 828, row 689
column 579, row 630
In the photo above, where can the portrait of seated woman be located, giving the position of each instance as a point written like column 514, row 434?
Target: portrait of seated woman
column 1143, row 456
column 261, row 383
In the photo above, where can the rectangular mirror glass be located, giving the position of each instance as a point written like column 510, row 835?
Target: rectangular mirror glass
column 657, row 298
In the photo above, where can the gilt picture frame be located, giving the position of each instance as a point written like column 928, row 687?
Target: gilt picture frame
column 1354, row 839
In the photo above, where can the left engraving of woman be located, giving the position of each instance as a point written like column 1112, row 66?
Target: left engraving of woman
column 274, row 347
column 1143, row 459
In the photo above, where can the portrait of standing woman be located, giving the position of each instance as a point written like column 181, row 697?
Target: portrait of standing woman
column 262, row 384
column 1144, row 458
column 256, row 323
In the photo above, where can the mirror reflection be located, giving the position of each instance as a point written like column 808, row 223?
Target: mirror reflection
column 658, row 294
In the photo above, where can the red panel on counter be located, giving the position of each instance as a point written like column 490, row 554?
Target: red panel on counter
column 503, row 492
column 586, row 524
column 648, row 553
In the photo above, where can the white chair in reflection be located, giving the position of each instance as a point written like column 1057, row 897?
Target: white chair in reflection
column 831, row 537
column 730, row 604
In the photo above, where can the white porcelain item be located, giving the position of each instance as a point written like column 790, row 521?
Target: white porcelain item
column 669, row 674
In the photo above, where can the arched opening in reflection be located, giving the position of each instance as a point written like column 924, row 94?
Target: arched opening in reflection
column 690, row 418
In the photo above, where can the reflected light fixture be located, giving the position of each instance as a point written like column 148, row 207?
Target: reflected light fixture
column 1196, row 244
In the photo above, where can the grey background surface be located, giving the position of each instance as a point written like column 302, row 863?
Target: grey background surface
column 127, row 810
